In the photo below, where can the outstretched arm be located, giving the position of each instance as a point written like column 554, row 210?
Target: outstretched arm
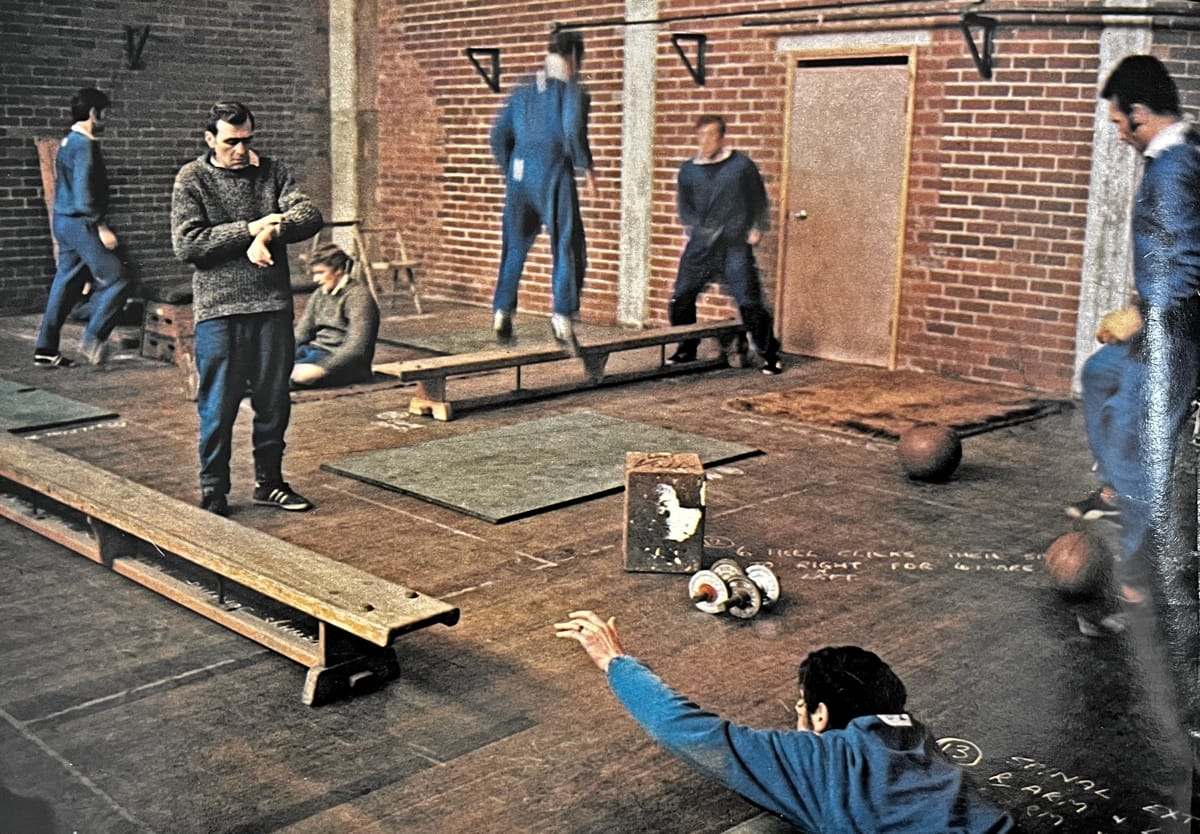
column 598, row 637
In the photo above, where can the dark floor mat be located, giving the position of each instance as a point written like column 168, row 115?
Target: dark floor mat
column 513, row 471
column 885, row 403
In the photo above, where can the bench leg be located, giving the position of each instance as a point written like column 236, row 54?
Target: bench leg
column 349, row 666
column 593, row 365
column 430, row 400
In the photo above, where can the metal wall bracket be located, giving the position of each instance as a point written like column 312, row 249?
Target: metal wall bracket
column 983, row 60
column 135, row 42
column 696, row 71
column 492, row 77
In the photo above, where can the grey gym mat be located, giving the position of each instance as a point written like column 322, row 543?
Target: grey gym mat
column 25, row 408
column 529, row 333
column 514, row 471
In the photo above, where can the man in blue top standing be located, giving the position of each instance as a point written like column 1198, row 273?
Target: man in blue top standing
column 85, row 242
column 855, row 762
column 722, row 205
column 539, row 139
column 1152, row 374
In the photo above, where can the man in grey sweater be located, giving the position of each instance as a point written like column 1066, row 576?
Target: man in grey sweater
column 233, row 213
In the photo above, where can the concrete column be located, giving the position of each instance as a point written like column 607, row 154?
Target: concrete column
column 1107, row 259
column 343, row 112
column 637, row 161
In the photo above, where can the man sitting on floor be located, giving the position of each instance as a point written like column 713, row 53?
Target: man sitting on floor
column 335, row 337
column 855, row 762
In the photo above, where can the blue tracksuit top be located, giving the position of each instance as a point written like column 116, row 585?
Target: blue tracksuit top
column 81, row 181
column 545, row 125
column 879, row 774
column 1166, row 223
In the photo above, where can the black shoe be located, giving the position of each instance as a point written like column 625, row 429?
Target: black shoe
column 1094, row 508
column 502, row 326
column 681, row 357
column 772, row 366
column 215, row 502
column 279, row 494
column 52, row 360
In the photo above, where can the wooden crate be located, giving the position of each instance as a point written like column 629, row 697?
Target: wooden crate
column 167, row 330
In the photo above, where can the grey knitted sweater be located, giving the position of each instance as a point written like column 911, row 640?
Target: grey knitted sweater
column 211, row 209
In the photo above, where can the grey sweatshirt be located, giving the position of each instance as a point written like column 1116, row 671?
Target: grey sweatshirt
column 211, row 209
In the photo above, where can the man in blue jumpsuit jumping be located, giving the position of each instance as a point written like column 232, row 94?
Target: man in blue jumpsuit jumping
column 539, row 139
column 855, row 762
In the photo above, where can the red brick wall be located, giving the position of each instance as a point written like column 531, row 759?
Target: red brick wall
column 997, row 209
column 998, row 191
column 273, row 57
column 437, row 176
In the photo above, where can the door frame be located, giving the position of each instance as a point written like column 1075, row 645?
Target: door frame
column 795, row 58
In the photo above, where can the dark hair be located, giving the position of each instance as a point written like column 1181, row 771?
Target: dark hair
column 332, row 256
column 1142, row 79
column 567, row 44
column 232, row 112
column 850, row 682
column 87, row 100
column 710, row 119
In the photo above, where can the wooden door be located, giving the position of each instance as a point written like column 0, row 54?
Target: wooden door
column 846, row 180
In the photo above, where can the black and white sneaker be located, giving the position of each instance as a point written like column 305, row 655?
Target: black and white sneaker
column 1094, row 508
column 772, row 367
column 279, row 494
column 52, row 360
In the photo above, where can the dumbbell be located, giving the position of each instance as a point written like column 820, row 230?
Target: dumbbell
column 745, row 600
column 727, row 587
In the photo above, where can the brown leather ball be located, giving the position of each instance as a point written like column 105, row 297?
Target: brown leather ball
column 1075, row 562
column 929, row 452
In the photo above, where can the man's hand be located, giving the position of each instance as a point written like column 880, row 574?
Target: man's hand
column 1119, row 326
column 754, row 237
column 590, row 187
column 269, row 223
column 598, row 637
column 107, row 237
column 259, row 253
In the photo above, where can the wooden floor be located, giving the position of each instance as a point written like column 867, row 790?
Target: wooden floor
column 121, row 712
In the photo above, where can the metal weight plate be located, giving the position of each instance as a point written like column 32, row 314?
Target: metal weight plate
column 708, row 591
column 727, row 569
column 767, row 582
column 745, row 600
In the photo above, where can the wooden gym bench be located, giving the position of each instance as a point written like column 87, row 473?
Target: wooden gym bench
column 335, row 619
column 430, row 374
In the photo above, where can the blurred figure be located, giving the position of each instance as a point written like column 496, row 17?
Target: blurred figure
column 539, row 140
column 1138, row 388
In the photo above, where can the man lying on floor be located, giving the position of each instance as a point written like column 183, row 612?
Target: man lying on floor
column 855, row 762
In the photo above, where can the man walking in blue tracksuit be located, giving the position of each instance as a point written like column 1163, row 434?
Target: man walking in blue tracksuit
column 539, row 139
column 85, row 242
